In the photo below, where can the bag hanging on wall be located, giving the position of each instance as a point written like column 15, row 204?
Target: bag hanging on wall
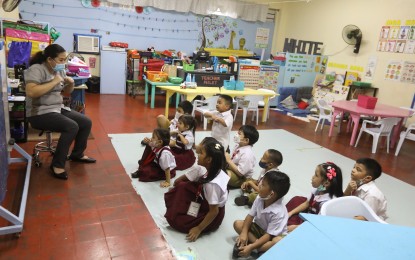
column 19, row 53
column 171, row 70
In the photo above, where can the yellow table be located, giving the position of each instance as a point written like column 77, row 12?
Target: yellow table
column 211, row 91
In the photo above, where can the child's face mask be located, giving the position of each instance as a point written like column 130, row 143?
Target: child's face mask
column 321, row 188
column 267, row 197
column 237, row 138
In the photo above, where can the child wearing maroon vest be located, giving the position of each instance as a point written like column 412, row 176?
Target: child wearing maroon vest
column 157, row 161
column 327, row 183
column 196, row 204
column 183, row 141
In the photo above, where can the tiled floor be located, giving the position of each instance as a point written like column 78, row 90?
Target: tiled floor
column 97, row 214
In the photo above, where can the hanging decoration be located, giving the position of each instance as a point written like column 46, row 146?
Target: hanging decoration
column 96, row 3
column 139, row 9
column 147, row 10
column 86, row 3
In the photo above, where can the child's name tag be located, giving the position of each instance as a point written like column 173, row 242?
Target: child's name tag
column 193, row 209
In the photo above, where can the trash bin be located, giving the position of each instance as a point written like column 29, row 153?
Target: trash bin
column 93, row 84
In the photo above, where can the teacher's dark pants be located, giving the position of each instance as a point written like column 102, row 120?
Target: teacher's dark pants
column 72, row 126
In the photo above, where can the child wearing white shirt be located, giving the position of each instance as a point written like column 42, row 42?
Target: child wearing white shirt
column 222, row 120
column 242, row 161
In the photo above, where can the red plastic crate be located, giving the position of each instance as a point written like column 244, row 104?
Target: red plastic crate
column 366, row 101
column 151, row 65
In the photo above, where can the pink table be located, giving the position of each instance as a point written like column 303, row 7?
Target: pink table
column 356, row 111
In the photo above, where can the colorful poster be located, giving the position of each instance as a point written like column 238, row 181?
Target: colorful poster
column 384, row 32
column 410, row 47
column 382, row 45
column 370, row 68
column 268, row 77
column 393, row 70
column 390, row 46
column 394, row 32
column 261, row 38
column 350, row 77
column 408, row 72
column 411, row 34
column 400, row 46
column 403, row 33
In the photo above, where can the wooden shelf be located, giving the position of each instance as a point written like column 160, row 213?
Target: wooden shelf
column 226, row 53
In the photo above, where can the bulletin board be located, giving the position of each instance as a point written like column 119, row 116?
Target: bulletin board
column 39, row 40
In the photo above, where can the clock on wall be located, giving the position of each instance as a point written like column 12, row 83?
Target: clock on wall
column 10, row 5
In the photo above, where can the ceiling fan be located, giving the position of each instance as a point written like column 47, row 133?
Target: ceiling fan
column 352, row 35
column 10, row 5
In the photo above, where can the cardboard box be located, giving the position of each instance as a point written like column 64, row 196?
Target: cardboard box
column 366, row 101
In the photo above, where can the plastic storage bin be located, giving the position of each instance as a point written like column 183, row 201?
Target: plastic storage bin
column 175, row 80
column 366, row 101
column 157, row 76
column 229, row 84
column 240, row 85
column 188, row 67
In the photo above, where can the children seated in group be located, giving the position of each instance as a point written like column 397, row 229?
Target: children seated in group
column 157, row 161
column 196, row 204
column 327, row 183
column 222, row 120
column 362, row 185
column 183, row 108
column 242, row 161
column 266, row 222
column 181, row 145
column 270, row 161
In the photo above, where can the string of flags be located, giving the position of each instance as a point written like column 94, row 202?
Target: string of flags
column 125, row 25
column 109, row 9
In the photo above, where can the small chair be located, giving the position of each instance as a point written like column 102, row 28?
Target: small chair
column 408, row 134
column 262, row 102
column 349, row 207
column 46, row 146
column 325, row 113
column 384, row 128
column 250, row 103
column 203, row 106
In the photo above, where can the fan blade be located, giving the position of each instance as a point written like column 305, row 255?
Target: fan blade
column 10, row 5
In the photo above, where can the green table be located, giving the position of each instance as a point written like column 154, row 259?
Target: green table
column 153, row 90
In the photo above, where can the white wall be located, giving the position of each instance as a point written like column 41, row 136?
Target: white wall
column 9, row 15
column 323, row 21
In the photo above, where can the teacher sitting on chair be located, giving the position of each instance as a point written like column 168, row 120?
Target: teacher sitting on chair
column 46, row 81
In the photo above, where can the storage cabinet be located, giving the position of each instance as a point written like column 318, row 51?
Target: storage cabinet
column 17, row 118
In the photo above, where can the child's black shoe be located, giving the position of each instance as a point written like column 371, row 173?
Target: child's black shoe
column 235, row 251
column 134, row 174
column 241, row 200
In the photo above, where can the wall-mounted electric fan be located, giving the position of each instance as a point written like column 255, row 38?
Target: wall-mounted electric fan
column 10, row 5
column 352, row 35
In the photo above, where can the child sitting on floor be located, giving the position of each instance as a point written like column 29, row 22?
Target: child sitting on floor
column 242, row 162
column 184, row 108
column 362, row 185
column 157, row 161
column 269, row 162
column 266, row 222
column 181, row 146
column 327, row 183
column 196, row 204
column 222, row 120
